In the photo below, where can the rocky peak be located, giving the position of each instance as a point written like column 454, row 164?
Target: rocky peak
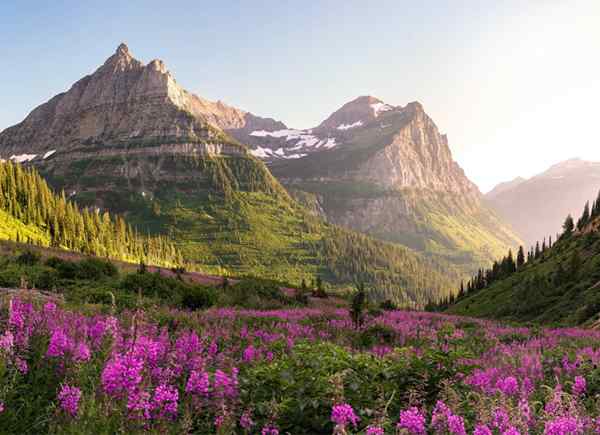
column 355, row 113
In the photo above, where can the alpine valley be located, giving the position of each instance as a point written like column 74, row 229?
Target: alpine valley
column 370, row 194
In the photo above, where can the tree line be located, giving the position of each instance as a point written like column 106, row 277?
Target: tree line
column 510, row 264
column 26, row 196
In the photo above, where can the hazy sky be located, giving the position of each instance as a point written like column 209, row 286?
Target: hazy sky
column 514, row 84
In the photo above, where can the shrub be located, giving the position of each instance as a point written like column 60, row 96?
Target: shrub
column 197, row 297
column 28, row 258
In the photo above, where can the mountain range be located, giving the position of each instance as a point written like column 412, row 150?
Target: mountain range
column 536, row 207
column 246, row 194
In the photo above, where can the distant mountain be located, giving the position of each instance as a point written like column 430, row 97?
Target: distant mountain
column 504, row 187
column 558, row 285
column 129, row 139
column 537, row 207
column 386, row 171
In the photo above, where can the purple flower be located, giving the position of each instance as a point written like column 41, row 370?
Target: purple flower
column 138, row 402
column 511, row 431
column 456, row 425
column 509, row 385
column 82, row 352
column 344, row 414
column 375, row 430
column 565, row 425
column 69, row 399
column 246, row 421
column 579, row 386
column 198, row 383
column 59, row 344
column 122, row 374
column 165, row 400
column 412, row 420
column 482, row 429
column 270, row 430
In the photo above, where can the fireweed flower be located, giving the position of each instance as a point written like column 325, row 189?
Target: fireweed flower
column 579, row 386
column 270, row 430
column 343, row 414
column 508, row 386
column 482, row 429
column 412, row 420
column 59, row 344
column 198, row 383
column 246, row 420
column 122, row 374
column 138, row 404
column 566, row 425
column 68, row 398
column 82, row 352
column 165, row 401
column 375, row 430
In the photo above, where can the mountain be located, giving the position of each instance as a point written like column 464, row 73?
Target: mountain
column 537, row 207
column 504, row 187
column 128, row 138
column 557, row 284
column 386, row 171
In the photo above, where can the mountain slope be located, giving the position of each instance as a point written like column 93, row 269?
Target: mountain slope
column 559, row 285
column 386, row 171
column 31, row 212
column 536, row 207
column 129, row 139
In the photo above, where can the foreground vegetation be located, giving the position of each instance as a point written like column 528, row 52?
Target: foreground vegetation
column 299, row 371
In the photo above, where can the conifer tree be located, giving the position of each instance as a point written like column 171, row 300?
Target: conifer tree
column 568, row 226
column 520, row 257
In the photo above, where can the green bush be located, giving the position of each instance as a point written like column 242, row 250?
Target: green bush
column 196, row 298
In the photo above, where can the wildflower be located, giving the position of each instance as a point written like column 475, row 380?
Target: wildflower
column 412, row 420
column 508, row 386
column 344, row 414
column 374, row 430
column 511, row 431
column 122, row 374
column 138, row 402
column 482, row 429
column 579, row 386
column 82, row 352
column 7, row 341
column 456, row 425
column 69, row 399
column 565, row 425
column 198, row 383
column 246, row 420
column 249, row 354
column 165, row 400
column 59, row 344
column 1, row 407
column 269, row 430
column 226, row 386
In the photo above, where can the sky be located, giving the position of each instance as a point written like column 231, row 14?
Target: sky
column 514, row 84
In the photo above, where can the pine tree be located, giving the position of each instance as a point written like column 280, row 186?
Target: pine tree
column 585, row 217
column 568, row 226
column 520, row 257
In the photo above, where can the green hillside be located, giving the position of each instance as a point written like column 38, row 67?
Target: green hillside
column 30, row 212
column 229, row 215
column 558, row 284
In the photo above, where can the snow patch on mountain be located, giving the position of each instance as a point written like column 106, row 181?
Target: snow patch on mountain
column 22, row 158
column 48, row 154
column 349, row 126
column 380, row 107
